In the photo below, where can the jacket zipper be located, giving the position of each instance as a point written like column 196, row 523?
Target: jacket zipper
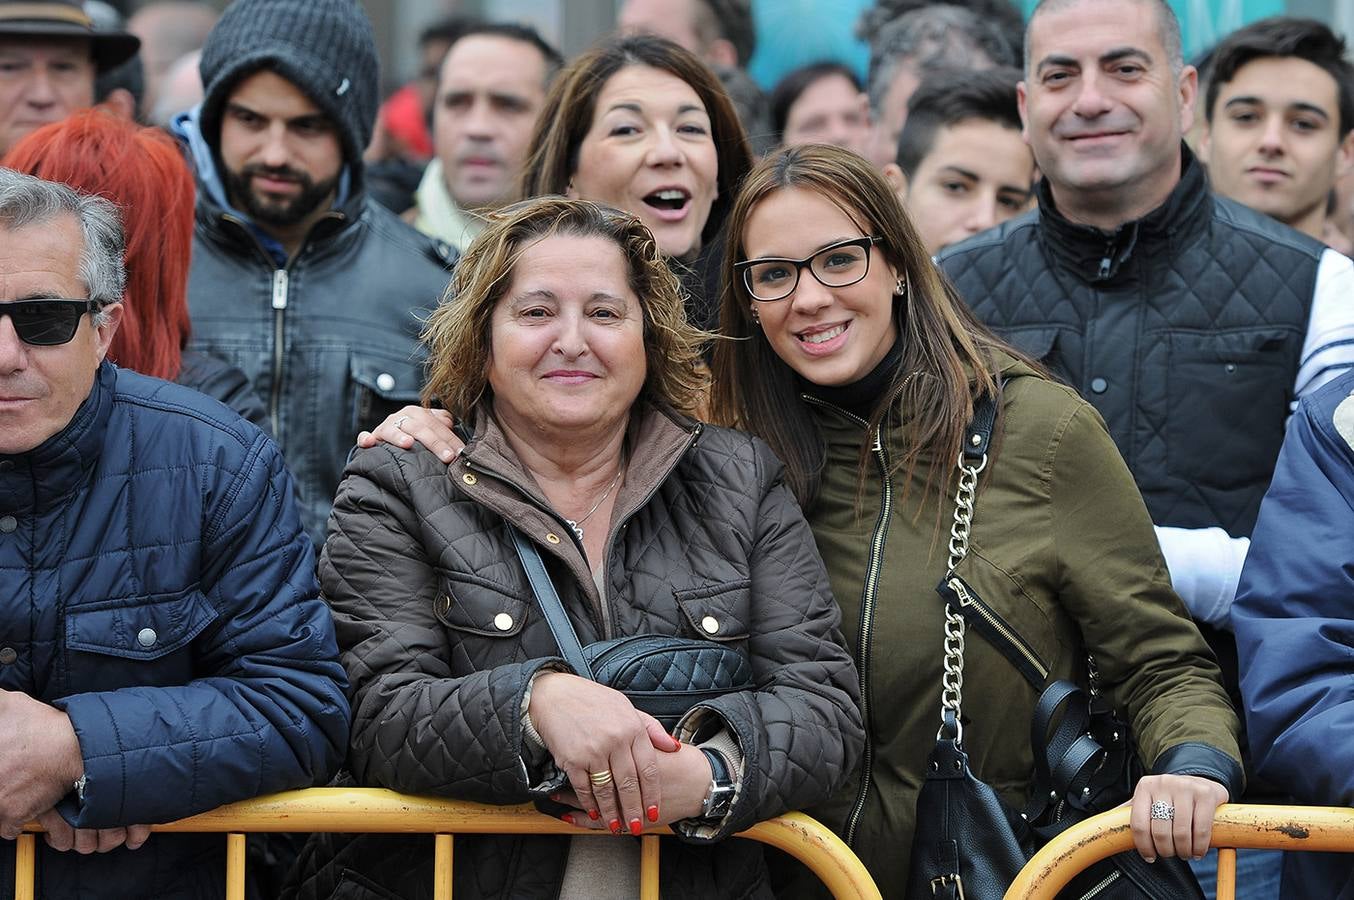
column 1100, row 888
column 280, row 282
column 280, row 297
column 867, row 601
column 969, row 601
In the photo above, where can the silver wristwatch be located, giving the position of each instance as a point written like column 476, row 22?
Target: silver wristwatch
column 719, row 798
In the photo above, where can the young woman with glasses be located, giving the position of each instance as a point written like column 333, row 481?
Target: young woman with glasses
column 856, row 361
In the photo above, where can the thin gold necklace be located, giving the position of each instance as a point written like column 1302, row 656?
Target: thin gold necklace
column 577, row 526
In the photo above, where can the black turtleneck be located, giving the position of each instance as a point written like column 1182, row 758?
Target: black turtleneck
column 860, row 397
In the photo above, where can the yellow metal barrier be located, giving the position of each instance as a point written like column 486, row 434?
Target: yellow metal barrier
column 376, row 811
column 1235, row 826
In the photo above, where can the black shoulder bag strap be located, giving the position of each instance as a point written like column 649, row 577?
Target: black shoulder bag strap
column 553, row 608
column 1070, row 756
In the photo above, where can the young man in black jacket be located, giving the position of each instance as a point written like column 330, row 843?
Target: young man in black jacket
column 298, row 278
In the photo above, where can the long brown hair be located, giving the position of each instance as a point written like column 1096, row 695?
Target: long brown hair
column 458, row 332
column 569, row 108
column 946, row 353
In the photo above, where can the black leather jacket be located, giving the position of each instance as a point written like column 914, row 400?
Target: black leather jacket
column 330, row 341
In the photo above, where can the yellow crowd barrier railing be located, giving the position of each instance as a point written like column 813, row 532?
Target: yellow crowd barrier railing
column 1235, row 826
column 376, row 811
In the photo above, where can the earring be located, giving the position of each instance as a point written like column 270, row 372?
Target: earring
column 756, row 316
column 900, row 289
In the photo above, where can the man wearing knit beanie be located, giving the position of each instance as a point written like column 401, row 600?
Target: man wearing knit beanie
column 297, row 278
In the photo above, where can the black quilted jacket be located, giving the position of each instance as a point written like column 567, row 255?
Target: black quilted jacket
column 421, row 573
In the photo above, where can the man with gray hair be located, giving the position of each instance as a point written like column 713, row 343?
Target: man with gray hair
column 932, row 37
column 1191, row 322
column 163, row 646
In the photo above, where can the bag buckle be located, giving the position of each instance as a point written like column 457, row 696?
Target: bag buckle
column 945, row 881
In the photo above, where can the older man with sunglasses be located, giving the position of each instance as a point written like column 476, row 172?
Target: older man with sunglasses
column 163, row 648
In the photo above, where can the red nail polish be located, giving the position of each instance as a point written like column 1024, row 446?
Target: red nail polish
column 568, row 818
column 636, row 827
column 594, row 815
column 653, row 814
column 615, row 826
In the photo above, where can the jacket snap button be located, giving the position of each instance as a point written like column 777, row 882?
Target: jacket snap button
column 1230, row 367
column 8, row 524
column 385, row 381
column 552, row 537
column 468, row 478
column 503, row 622
column 1099, row 385
column 710, row 624
column 8, row 655
column 146, row 637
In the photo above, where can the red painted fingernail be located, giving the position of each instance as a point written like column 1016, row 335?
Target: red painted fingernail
column 594, row 815
column 568, row 818
column 636, row 827
column 615, row 826
column 653, row 814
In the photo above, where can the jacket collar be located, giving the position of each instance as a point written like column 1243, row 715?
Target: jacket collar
column 37, row 480
column 656, row 440
column 438, row 214
column 1098, row 256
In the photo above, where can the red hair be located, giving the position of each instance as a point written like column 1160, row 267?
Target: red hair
column 142, row 171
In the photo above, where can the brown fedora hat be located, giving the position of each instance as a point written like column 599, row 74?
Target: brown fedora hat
column 62, row 19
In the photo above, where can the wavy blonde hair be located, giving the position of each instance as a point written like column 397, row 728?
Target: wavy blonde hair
column 458, row 332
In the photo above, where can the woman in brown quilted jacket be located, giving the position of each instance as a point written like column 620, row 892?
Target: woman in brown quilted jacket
column 567, row 349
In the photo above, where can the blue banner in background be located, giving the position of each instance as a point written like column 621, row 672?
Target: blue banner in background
column 1205, row 22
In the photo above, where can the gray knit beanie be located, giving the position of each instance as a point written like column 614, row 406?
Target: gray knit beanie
column 325, row 47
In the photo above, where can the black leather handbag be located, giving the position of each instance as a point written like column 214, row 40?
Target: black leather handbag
column 968, row 844
column 663, row 675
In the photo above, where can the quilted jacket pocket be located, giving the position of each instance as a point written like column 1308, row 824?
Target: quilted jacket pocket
column 140, row 641
column 1222, row 384
column 475, row 606
column 718, row 612
column 143, row 628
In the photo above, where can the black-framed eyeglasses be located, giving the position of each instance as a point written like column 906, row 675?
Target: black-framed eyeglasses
column 840, row 265
column 47, row 322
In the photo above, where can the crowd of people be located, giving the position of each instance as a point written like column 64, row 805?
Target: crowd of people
column 343, row 440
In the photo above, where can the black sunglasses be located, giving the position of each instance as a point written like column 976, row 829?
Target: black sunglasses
column 47, row 323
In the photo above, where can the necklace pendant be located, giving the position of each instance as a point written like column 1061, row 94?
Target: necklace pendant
column 578, row 529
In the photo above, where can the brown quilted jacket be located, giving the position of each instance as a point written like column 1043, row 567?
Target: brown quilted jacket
column 440, row 636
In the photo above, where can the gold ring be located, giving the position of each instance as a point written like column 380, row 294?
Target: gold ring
column 600, row 779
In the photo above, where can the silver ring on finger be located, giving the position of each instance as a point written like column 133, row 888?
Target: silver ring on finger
column 399, row 423
column 1162, row 811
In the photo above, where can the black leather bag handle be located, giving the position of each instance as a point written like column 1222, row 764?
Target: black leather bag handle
column 553, row 608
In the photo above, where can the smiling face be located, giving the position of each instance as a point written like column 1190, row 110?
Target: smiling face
column 42, row 387
column 1273, row 143
column 650, row 151
column 977, row 175
column 830, row 336
column 1103, row 110
column 567, row 339
column 829, row 111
